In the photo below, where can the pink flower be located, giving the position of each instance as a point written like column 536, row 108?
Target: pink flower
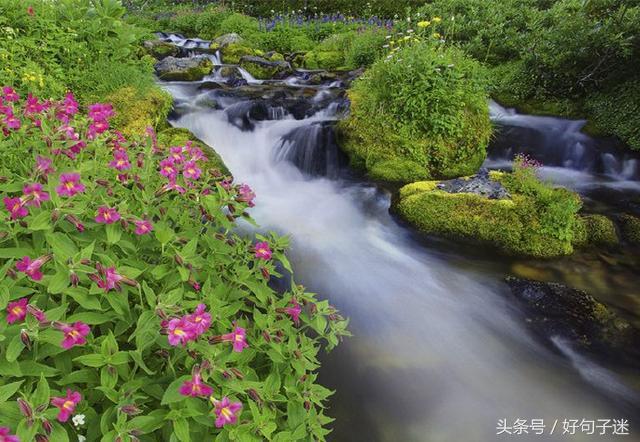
column 110, row 278
column 96, row 128
column 12, row 122
column 32, row 268
column 246, row 195
column 37, row 313
column 263, row 251
column 9, row 94
column 200, row 319
column 32, row 106
column 195, row 387
column 180, row 331
column 107, row 215
column 16, row 207
column 195, row 153
column 191, row 170
column 43, row 165
column 70, row 105
column 168, row 169
column 175, row 154
column 74, row 334
column 120, row 160
column 100, row 111
column 172, row 185
column 294, row 311
column 70, row 185
column 143, row 227
column 6, row 437
column 17, row 311
column 34, row 195
column 75, row 221
column 238, row 337
column 226, row 412
column 66, row 405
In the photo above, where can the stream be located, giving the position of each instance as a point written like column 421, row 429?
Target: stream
column 440, row 350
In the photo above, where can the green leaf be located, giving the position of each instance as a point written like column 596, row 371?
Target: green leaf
column 91, row 360
column 59, row 433
column 163, row 233
column 26, row 431
column 295, row 413
column 122, row 357
column 181, row 430
column 58, row 282
column 172, row 393
column 42, row 393
column 108, row 377
column 91, row 318
column 62, row 246
column 14, row 253
column 14, row 348
column 114, row 232
column 138, row 359
column 31, row 368
column 148, row 423
column 6, row 391
column 41, row 221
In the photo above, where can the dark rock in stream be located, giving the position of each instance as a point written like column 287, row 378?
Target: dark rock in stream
column 557, row 311
column 184, row 69
column 480, row 184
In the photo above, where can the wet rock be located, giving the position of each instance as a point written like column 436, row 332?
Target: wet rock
column 630, row 228
column 210, row 86
column 245, row 114
column 184, row 69
column 232, row 53
column 160, row 49
column 557, row 311
column 226, row 40
column 263, row 69
column 480, row 184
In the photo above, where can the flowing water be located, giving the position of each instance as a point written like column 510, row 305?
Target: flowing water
column 440, row 351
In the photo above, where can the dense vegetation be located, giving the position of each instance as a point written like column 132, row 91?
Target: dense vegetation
column 132, row 309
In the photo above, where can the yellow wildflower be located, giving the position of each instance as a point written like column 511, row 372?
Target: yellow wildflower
column 436, row 19
column 423, row 24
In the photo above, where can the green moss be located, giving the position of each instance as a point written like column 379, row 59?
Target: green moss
column 600, row 230
column 160, row 49
column 194, row 73
column 136, row 110
column 263, row 69
column 411, row 110
column 232, row 53
column 175, row 136
column 630, row 227
column 519, row 226
column 327, row 60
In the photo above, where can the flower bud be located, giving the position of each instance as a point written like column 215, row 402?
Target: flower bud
column 265, row 273
column 25, row 338
column 253, row 394
column 11, row 273
column 55, row 215
column 307, row 405
column 130, row 410
column 25, row 408
column 266, row 336
column 48, row 428
column 297, row 354
column 41, row 438
column 74, row 279
column 103, row 183
column 178, row 259
column 226, row 374
column 237, row 373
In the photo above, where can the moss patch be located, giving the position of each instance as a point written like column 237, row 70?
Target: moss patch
column 176, row 136
column 600, row 230
column 630, row 227
column 136, row 110
column 519, row 226
column 327, row 60
column 232, row 53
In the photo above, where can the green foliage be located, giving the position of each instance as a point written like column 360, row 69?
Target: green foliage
column 425, row 104
column 71, row 44
column 136, row 110
column 127, row 372
column 365, row 48
column 539, row 221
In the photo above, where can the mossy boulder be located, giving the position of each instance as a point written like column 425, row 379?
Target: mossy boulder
column 176, row 136
column 599, row 230
column 137, row 109
column 232, row 53
column 326, row 60
column 160, row 49
column 557, row 311
column 263, row 69
column 630, row 228
column 522, row 225
column 184, row 69
column 225, row 40
column 422, row 115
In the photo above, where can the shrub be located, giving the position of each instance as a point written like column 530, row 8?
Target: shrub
column 133, row 309
column 70, row 45
column 425, row 105
column 365, row 48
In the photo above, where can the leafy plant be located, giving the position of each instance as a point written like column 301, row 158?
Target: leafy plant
column 133, row 310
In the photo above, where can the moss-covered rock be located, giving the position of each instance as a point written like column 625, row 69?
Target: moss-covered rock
column 160, row 49
column 630, row 228
column 326, row 60
column 600, row 230
column 406, row 125
column 263, row 69
column 232, row 53
column 521, row 225
column 184, row 69
column 136, row 110
column 176, row 136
